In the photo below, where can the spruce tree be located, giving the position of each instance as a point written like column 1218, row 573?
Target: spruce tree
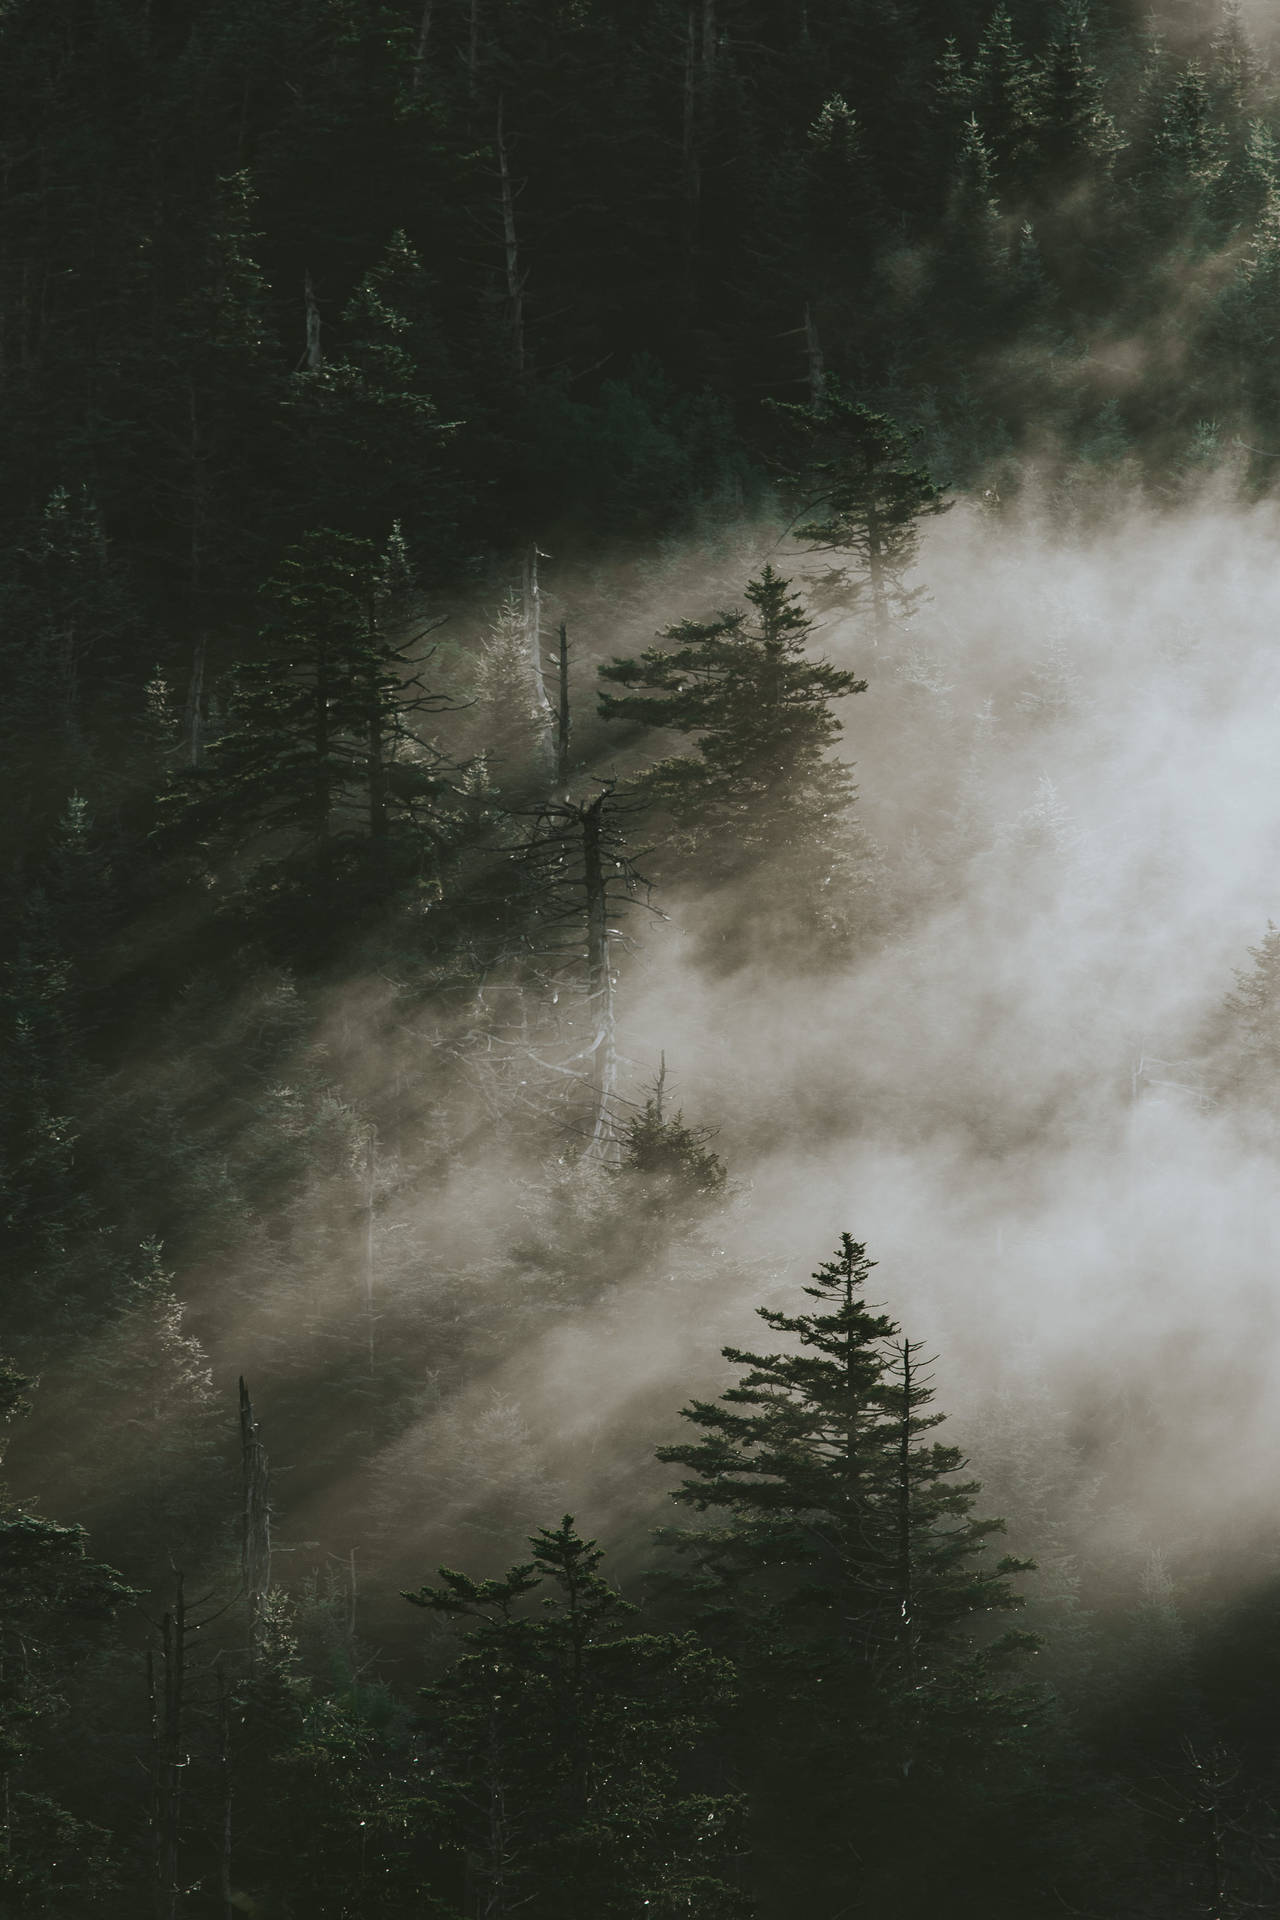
column 842, row 1567
column 761, row 807
column 862, row 494
column 558, row 1740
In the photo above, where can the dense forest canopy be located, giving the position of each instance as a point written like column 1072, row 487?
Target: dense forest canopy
column 639, row 990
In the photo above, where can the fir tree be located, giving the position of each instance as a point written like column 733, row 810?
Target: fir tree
column 558, row 1739
column 761, row 803
column 863, row 494
column 843, row 1570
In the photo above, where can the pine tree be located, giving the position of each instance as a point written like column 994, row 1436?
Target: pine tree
column 321, row 754
column 843, row 1571
column 1077, row 140
column 862, row 494
column 371, row 446
column 558, row 1740
column 1003, row 96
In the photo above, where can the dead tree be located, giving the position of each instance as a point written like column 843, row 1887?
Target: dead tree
column 564, row 717
column 531, row 599
column 584, row 880
column 255, row 1522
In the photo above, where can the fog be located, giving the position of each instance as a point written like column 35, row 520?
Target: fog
column 1069, row 767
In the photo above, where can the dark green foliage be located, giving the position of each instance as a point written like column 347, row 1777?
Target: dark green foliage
column 843, row 1569
column 558, row 1739
column 861, row 492
column 762, row 805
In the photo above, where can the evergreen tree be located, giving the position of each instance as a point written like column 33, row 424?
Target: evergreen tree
column 558, row 1742
column 761, row 805
column 320, row 755
column 862, row 494
column 843, row 1571
column 1003, row 96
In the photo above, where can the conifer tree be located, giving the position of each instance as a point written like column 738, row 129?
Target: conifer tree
column 842, row 1568
column 321, row 754
column 1003, row 97
column 558, row 1738
column 760, row 809
column 863, row 494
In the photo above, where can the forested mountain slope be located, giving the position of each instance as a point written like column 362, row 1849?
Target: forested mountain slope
column 638, row 721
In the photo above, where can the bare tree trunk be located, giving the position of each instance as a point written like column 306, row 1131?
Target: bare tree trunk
column 531, row 595
column 564, row 719
column 813, row 351
column 255, row 1521
column 420, row 50
column 315, row 352
column 510, row 245
column 603, row 1054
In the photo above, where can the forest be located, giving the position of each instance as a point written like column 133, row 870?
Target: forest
column 639, row 959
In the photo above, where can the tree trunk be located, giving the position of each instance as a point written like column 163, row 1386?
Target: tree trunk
column 532, row 599
column 564, row 718
column 315, row 352
column 370, row 1272
column 473, row 46
column 226, row 1779
column 813, row 352
column 603, row 1045
column 255, row 1521
column 193, row 719
column 511, row 246
column 420, row 50
column 168, row 1759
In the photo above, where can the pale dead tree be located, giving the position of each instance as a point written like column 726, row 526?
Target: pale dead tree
column 255, row 1522
column 515, row 278
column 585, row 880
column 564, row 715
column 531, row 601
